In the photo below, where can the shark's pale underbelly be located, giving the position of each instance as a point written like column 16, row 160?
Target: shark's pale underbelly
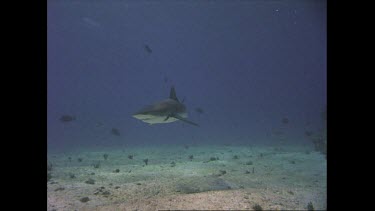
column 157, row 119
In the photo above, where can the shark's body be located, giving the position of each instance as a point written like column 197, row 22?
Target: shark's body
column 165, row 111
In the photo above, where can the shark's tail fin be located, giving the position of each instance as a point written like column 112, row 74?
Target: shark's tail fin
column 172, row 94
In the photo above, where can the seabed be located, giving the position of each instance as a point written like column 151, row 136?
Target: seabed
column 276, row 178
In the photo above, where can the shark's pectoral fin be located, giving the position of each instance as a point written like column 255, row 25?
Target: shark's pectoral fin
column 183, row 119
column 167, row 118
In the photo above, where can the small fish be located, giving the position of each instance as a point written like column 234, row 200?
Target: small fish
column 148, row 49
column 308, row 133
column 199, row 110
column 285, row 120
column 67, row 118
column 115, row 132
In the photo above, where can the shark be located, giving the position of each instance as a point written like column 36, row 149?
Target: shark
column 165, row 111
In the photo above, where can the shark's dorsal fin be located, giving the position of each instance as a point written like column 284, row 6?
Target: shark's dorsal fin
column 172, row 94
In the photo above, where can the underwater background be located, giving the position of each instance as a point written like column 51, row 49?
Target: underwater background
column 252, row 73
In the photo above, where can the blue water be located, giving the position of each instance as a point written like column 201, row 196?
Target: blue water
column 246, row 64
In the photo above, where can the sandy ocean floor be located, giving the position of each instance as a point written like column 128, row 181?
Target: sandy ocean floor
column 217, row 177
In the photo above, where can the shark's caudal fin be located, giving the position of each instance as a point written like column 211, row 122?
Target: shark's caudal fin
column 173, row 95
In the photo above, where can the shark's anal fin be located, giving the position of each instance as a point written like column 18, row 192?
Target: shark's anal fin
column 183, row 119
